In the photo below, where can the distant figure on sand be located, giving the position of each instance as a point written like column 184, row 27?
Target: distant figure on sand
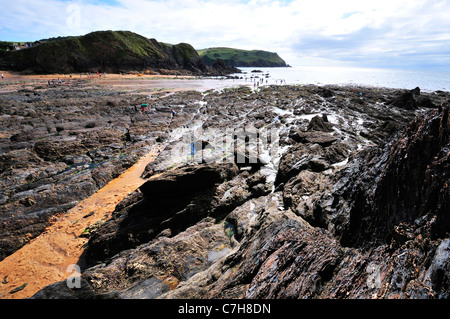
column 3, row 77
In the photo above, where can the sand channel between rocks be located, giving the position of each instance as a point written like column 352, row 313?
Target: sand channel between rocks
column 45, row 260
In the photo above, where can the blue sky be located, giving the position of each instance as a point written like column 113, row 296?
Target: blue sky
column 382, row 33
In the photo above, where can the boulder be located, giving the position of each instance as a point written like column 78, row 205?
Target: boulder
column 425, row 101
column 404, row 101
column 315, row 137
column 189, row 179
column 416, row 91
column 301, row 157
column 318, row 123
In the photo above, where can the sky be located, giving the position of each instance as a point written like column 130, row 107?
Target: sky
column 412, row 34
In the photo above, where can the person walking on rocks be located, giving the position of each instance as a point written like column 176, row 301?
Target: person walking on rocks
column 3, row 77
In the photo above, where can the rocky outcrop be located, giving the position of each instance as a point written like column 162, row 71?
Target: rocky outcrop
column 64, row 145
column 411, row 100
column 222, row 68
column 412, row 176
column 405, row 101
column 164, row 206
column 286, row 257
column 352, row 204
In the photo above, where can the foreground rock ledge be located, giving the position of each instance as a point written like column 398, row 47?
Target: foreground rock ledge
column 377, row 228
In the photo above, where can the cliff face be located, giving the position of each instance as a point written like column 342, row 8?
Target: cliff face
column 105, row 51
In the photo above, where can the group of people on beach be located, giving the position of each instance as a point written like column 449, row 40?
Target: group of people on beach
column 91, row 76
column 53, row 82
column 260, row 81
column 59, row 81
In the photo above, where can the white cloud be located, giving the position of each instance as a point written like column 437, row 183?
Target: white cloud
column 344, row 30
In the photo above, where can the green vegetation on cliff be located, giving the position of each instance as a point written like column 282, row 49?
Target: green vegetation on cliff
column 242, row 58
column 3, row 47
column 108, row 51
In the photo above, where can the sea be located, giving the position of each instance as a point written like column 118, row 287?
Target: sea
column 426, row 80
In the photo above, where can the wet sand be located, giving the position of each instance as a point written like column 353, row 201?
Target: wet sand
column 146, row 82
column 45, row 260
column 15, row 76
column 171, row 84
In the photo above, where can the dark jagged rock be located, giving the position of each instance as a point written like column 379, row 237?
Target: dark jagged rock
column 167, row 205
column 318, row 123
column 416, row 91
column 188, row 180
column 405, row 101
column 358, row 211
column 301, row 157
column 415, row 163
column 220, row 66
column 54, row 157
column 315, row 137
column 326, row 93
column 287, row 258
column 425, row 101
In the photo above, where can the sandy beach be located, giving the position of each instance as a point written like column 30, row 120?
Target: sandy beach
column 140, row 83
column 15, row 76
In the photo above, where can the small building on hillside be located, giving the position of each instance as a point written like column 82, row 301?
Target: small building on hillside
column 20, row 46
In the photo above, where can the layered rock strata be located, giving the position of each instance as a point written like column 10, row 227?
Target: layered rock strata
column 351, row 203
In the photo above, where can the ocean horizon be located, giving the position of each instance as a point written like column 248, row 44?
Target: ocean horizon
column 426, row 80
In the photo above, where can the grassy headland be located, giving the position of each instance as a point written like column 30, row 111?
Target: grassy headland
column 242, row 58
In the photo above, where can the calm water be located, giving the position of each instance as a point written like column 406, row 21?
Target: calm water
column 402, row 79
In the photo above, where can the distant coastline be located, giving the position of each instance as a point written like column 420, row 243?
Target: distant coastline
column 242, row 58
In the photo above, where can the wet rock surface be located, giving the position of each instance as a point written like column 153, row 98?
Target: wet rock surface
column 349, row 199
column 64, row 145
